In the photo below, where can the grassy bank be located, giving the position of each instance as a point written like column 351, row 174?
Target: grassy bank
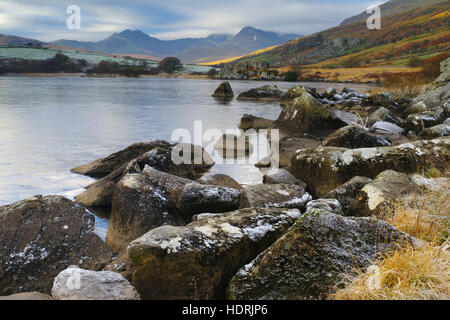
column 420, row 272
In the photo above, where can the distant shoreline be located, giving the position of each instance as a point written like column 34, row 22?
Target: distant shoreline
column 84, row 75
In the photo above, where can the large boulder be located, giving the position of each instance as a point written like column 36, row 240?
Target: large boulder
column 198, row 198
column 295, row 92
column 102, row 167
column 252, row 122
column 277, row 196
column 326, row 168
column 309, row 260
column 74, row 283
column 197, row 261
column 378, row 196
column 219, row 179
column 306, row 114
column 140, row 203
column 349, row 191
column 265, row 93
column 41, row 236
column 99, row 193
column 224, row 91
column 354, row 137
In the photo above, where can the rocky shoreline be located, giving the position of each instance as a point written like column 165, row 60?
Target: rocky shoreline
column 179, row 232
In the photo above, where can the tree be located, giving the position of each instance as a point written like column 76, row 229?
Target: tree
column 291, row 76
column 170, row 65
column 212, row 72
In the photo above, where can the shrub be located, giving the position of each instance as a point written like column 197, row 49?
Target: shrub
column 212, row 72
column 432, row 66
column 352, row 62
column 291, row 76
column 407, row 84
column 414, row 62
column 170, row 65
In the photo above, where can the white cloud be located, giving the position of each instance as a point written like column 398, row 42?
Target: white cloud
column 46, row 20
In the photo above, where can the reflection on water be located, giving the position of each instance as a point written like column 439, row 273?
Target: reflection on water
column 50, row 125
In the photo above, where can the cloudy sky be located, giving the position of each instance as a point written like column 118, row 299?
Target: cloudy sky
column 46, row 19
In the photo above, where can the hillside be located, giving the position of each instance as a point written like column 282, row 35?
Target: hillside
column 393, row 7
column 189, row 50
column 418, row 32
column 7, row 40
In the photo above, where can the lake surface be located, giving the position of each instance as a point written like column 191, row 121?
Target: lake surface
column 49, row 125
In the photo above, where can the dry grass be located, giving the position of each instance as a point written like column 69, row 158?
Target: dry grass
column 218, row 62
column 410, row 273
column 408, row 85
column 426, row 217
column 407, row 274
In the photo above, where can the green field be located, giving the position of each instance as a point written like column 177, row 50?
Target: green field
column 90, row 57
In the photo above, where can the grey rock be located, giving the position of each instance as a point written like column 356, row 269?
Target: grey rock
column 140, row 203
column 74, row 283
column 349, row 191
column 197, row 261
column 326, row 168
column 277, row 196
column 102, row 167
column 420, row 121
column 198, row 198
column 441, row 130
column 281, row 176
column 253, row 122
column 265, row 93
column 384, row 115
column 39, row 237
column 327, row 205
column 221, row 180
column 353, row 137
column 223, row 90
column 378, row 196
column 309, row 260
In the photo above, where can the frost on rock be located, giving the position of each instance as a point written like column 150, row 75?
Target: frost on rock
column 310, row 258
column 198, row 198
column 326, row 168
column 41, row 236
column 203, row 255
column 277, row 196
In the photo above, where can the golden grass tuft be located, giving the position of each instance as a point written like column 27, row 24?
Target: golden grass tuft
column 425, row 217
column 409, row 273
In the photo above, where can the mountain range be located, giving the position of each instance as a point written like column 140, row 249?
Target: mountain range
column 393, row 7
column 423, row 31
column 189, row 50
